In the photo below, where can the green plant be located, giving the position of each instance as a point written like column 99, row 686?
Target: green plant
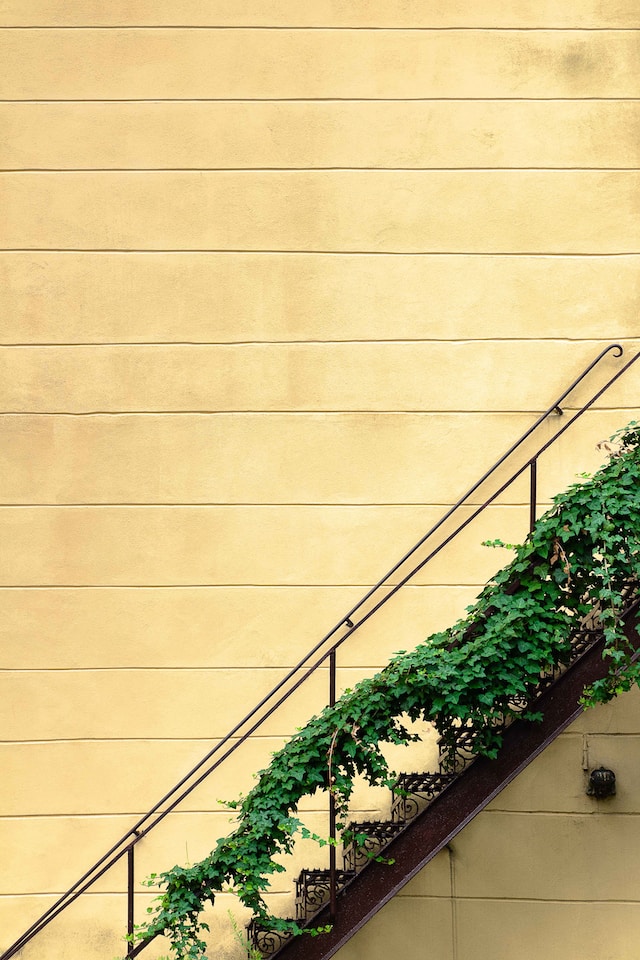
column 251, row 952
column 582, row 554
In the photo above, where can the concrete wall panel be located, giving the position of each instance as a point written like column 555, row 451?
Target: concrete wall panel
column 209, row 627
column 188, row 546
column 569, row 761
column 218, row 298
column 500, row 930
column 95, row 705
column 290, row 134
column 515, row 211
column 122, row 777
column 358, row 459
column 401, row 927
column 315, row 378
column 115, row 64
column 558, row 852
column 322, row 13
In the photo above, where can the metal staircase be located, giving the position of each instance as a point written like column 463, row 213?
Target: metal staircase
column 427, row 810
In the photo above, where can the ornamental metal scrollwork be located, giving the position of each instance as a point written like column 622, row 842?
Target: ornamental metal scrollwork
column 266, row 941
column 366, row 840
column 313, row 889
column 413, row 791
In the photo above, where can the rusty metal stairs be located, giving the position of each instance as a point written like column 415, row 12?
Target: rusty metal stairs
column 427, row 810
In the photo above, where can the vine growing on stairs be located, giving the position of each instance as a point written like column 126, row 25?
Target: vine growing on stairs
column 583, row 554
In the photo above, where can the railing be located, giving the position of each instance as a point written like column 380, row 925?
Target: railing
column 325, row 650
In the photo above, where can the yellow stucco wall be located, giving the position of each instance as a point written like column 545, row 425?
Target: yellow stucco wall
column 278, row 281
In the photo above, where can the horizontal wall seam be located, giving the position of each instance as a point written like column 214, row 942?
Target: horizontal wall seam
column 446, row 898
column 138, row 740
column 598, row 900
column 289, row 28
column 135, row 741
column 548, row 254
column 124, row 814
column 119, row 892
column 316, row 169
column 318, row 505
column 278, row 587
column 336, row 253
column 177, row 668
column 618, row 99
column 313, row 412
column 312, row 341
column 561, row 814
column 114, row 892
column 216, row 585
column 36, row 895
column 283, row 171
column 96, row 894
column 232, row 503
column 222, row 586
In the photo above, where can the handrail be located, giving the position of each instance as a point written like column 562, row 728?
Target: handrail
column 284, row 688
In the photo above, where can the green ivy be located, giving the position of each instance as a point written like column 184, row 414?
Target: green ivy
column 583, row 553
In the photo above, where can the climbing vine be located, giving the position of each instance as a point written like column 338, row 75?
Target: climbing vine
column 583, row 554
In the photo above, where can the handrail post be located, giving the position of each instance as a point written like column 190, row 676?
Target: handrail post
column 533, row 493
column 333, row 891
column 130, row 885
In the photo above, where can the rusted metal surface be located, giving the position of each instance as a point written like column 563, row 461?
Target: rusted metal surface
column 130, row 896
column 533, row 492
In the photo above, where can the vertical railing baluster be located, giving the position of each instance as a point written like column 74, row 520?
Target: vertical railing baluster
column 130, row 884
column 332, row 678
column 533, row 493
column 333, row 893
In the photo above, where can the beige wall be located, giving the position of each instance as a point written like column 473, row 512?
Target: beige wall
column 279, row 280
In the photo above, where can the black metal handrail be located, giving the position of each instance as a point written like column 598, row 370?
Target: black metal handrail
column 298, row 674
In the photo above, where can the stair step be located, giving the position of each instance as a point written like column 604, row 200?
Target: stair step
column 313, row 890
column 365, row 839
column 412, row 792
column 266, row 941
column 456, row 750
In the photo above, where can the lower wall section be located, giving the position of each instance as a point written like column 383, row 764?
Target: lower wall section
column 533, row 930
column 408, row 928
column 498, row 930
column 544, row 873
column 94, row 928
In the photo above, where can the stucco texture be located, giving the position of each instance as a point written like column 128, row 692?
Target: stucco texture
column 278, row 282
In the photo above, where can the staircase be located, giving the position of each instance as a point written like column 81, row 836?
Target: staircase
column 427, row 810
